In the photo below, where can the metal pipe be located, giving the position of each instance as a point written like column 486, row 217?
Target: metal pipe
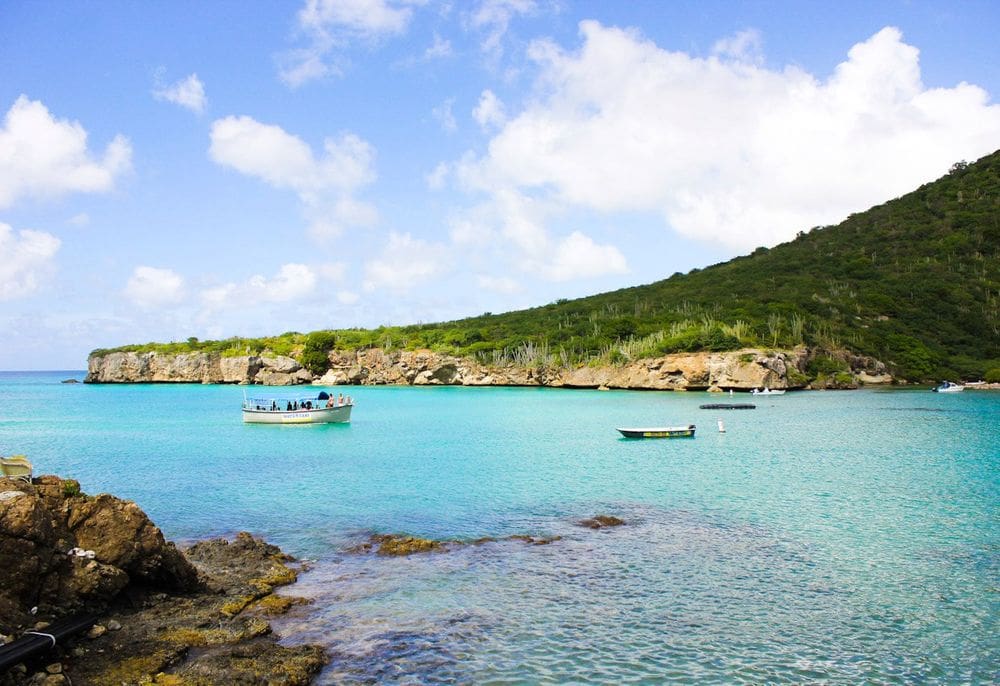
column 33, row 643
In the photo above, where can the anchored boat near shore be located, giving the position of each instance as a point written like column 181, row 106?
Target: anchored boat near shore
column 767, row 391
column 319, row 409
column 948, row 387
column 659, row 432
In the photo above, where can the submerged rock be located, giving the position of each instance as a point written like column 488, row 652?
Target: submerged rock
column 392, row 545
column 406, row 545
column 601, row 522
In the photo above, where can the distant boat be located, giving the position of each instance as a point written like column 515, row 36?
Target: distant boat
column 766, row 391
column 319, row 409
column 659, row 432
column 728, row 406
column 948, row 387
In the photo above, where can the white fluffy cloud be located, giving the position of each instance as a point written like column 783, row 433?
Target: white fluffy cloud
column 444, row 115
column 326, row 185
column 578, row 257
column 41, row 156
column 723, row 149
column 514, row 226
column 498, row 284
column 440, row 48
column 331, row 24
column 489, row 111
column 493, row 17
column 359, row 17
column 405, row 262
column 188, row 93
column 25, row 260
column 745, row 46
column 151, row 287
column 292, row 282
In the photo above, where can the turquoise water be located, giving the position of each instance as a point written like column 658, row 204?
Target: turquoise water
column 848, row 537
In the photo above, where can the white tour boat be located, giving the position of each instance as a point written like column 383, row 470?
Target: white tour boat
column 322, row 408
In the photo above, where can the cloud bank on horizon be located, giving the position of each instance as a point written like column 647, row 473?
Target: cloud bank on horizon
column 602, row 133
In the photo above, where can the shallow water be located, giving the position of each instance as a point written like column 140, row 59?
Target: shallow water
column 835, row 537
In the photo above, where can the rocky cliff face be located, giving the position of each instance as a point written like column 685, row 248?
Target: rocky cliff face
column 740, row 370
column 154, row 367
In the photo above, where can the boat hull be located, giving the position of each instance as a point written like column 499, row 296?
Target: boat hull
column 949, row 387
column 321, row 415
column 659, row 432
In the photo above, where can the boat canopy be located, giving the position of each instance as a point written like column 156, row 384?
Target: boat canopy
column 283, row 399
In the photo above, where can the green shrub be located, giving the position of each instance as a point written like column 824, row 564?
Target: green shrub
column 993, row 375
column 316, row 353
column 843, row 378
column 825, row 365
column 795, row 377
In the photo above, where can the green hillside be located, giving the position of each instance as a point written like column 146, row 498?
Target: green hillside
column 914, row 282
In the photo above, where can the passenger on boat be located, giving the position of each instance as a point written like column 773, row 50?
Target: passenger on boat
column 288, row 407
column 274, row 406
column 340, row 399
column 329, row 402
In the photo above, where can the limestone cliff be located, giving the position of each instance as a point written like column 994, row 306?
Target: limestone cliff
column 153, row 367
column 740, row 370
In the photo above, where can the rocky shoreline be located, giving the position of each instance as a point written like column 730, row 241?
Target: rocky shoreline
column 739, row 370
column 164, row 616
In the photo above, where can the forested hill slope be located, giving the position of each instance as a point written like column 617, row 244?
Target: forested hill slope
column 914, row 282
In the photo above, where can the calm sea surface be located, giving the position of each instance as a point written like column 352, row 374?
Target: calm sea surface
column 848, row 537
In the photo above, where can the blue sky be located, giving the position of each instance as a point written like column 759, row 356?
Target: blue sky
column 176, row 169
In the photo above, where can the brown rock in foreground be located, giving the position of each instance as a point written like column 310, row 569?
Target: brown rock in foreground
column 63, row 552
column 163, row 617
column 218, row 635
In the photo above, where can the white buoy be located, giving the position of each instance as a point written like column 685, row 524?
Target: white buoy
column 722, row 427
column 730, row 391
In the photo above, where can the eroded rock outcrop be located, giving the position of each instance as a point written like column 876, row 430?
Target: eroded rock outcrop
column 153, row 367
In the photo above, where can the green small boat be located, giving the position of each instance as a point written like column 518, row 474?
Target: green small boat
column 659, row 432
